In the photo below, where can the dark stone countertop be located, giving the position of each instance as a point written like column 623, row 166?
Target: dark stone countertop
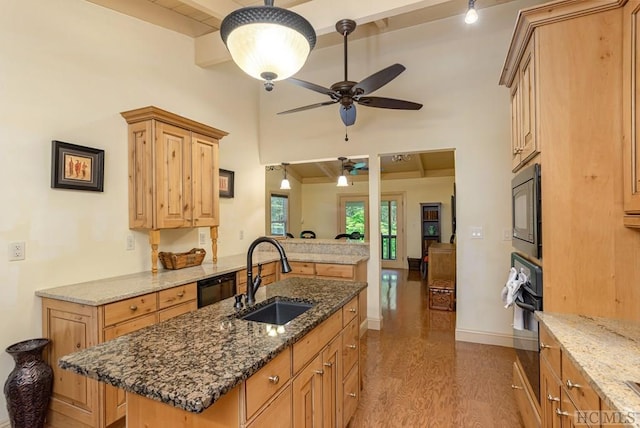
column 192, row 360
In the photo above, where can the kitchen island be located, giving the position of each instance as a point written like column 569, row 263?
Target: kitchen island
column 192, row 361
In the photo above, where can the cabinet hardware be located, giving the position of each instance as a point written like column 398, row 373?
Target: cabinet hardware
column 543, row 346
column 328, row 364
column 351, row 346
column 571, row 385
column 133, row 307
column 274, row 379
column 320, row 372
column 78, row 345
column 352, row 395
column 352, row 310
column 181, row 294
column 561, row 413
column 516, row 387
column 552, row 398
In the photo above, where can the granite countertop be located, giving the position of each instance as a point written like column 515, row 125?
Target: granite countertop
column 606, row 351
column 108, row 290
column 192, row 360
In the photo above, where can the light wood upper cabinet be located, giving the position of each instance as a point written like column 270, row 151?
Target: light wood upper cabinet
column 524, row 103
column 173, row 174
column 631, row 90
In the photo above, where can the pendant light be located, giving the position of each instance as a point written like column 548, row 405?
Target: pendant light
column 268, row 43
column 472, row 14
column 284, row 184
column 342, row 180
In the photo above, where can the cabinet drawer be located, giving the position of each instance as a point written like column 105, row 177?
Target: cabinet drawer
column 350, row 345
column 309, row 346
column 266, row 381
column 277, row 414
column 269, row 279
column 350, row 311
column 127, row 309
column 268, row 269
column 241, row 277
column 550, row 349
column 350, row 395
column 129, row 326
column 334, row 271
column 577, row 388
column 303, row 268
column 177, row 295
column 176, row 310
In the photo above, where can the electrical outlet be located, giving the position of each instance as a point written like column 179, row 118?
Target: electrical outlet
column 202, row 237
column 506, row 234
column 131, row 243
column 16, row 251
column 477, row 232
column 241, row 235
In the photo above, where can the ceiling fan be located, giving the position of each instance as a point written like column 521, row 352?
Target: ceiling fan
column 353, row 167
column 348, row 93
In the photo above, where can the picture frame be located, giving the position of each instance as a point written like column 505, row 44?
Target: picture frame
column 76, row 167
column 226, row 183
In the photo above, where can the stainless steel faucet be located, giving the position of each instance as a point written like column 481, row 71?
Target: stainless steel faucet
column 254, row 283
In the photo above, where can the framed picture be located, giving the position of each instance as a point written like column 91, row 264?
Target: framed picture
column 76, row 167
column 226, row 183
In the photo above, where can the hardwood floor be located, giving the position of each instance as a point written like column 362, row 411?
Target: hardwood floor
column 417, row 375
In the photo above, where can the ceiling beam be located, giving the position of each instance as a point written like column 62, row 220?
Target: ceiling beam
column 326, row 170
column 216, row 8
column 209, row 49
column 420, row 164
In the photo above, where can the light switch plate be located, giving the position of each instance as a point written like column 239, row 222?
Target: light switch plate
column 477, row 232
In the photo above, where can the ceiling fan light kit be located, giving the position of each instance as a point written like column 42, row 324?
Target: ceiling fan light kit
column 267, row 42
column 349, row 93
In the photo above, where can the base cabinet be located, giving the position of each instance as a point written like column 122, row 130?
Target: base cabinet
column 313, row 383
column 78, row 401
column 525, row 400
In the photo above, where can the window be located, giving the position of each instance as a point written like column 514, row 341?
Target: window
column 279, row 214
column 389, row 229
column 354, row 215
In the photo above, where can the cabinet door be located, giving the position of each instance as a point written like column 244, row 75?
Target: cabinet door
column 631, row 92
column 550, row 388
column 332, row 384
column 173, row 177
column 141, row 175
column 74, row 397
column 528, row 98
column 528, row 410
column 277, row 414
column 516, row 145
column 307, row 396
column 205, row 180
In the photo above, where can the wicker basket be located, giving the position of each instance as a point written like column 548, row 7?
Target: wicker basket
column 182, row 260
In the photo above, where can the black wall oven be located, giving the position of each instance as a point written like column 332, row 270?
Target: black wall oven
column 525, row 330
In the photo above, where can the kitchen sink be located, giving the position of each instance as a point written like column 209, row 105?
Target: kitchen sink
column 278, row 312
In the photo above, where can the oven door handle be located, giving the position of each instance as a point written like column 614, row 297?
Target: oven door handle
column 525, row 306
column 526, row 287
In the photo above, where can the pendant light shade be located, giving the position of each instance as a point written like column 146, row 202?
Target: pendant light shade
column 284, row 184
column 342, row 181
column 267, row 42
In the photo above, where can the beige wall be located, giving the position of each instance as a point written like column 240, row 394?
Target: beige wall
column 68, row 67
column 453, row 70
column 272, row 185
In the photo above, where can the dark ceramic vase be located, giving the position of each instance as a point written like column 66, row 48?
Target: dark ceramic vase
column 28, row 387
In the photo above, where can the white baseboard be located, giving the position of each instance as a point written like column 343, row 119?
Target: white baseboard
column 484, row 338
column 5, row 424
column 374, row 323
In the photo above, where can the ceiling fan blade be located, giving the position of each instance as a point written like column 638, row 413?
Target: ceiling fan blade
column 348, row 114
column 391, row 103
column 377, row 80
column 359, row 165
column 326, row 103
column 312, row 86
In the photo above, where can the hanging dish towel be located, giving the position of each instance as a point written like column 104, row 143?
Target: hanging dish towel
column 510, row 292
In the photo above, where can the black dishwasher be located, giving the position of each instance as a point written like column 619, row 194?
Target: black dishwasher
column 216, row 288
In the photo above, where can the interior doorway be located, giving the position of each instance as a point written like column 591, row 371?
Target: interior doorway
column 392, row 231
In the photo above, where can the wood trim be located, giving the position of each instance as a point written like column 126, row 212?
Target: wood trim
column 151, row 112
column 548, row 13
column 632, row 221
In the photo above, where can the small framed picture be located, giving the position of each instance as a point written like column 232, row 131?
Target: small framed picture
column 226, row 183
column 76, row 167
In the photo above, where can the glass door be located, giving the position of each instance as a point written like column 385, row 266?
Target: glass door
column 391, row 230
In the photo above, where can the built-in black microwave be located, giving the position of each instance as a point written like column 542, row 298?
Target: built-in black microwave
column 526, row 204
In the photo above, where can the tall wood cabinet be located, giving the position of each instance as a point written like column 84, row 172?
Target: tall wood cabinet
column 431, row 225
column 173, row 174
